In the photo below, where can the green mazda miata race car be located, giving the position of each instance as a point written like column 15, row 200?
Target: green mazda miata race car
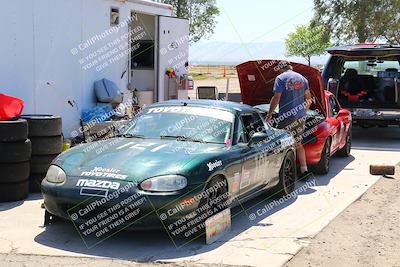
column 176, row 164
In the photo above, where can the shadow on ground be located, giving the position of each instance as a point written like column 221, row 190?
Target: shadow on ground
column 11, row 205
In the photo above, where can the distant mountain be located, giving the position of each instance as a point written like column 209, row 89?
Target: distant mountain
column 228, row 53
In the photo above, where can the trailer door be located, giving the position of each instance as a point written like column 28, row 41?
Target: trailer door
column 173, row 52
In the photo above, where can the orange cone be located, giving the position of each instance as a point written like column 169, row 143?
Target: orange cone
column 225, row 72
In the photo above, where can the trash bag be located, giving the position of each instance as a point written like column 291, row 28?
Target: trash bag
column 10, row 107
column 107, row 91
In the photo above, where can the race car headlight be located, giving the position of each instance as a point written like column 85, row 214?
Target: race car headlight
column 55, row 175
column 168, row 183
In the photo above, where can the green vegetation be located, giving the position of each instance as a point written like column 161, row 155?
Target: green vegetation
column 201, row 14
column 359, row 20
column 306, row 42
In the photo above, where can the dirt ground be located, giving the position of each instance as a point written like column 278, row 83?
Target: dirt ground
column 45, row 261
column 367, row 233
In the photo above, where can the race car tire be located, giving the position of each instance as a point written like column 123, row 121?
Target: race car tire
column 206, row 209
column 43, row 125
column 346, row 150
column 14, row 191
column 50, row 145
column 14, row 172
column 15, row 152
column 287, row 176
column 323, row 166
column 13, row 131
column 221, row 191
column 40, row 164
column 35, row 182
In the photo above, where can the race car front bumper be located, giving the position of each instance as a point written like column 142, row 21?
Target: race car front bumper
column 140, row 210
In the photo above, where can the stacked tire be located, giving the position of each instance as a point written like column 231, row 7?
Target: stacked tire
column 15, row 153
column 45, row 133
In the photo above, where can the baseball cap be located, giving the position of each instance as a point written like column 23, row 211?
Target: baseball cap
column 283, row 65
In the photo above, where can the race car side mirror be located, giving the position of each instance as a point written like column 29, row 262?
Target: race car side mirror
column 343, row 113
column 258, row 138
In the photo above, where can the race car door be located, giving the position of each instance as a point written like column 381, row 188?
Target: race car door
column 256, row 169
column 173, row 41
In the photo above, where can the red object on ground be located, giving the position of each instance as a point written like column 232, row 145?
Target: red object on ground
column 10, row 107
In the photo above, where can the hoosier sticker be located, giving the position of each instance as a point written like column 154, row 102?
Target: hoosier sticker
column 213, row 165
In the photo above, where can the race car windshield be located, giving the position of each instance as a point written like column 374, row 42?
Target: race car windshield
column 184, row 124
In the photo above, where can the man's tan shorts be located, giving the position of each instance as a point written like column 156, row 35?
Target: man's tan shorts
column 295, row 128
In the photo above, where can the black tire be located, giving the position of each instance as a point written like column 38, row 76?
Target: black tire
column 14, row 172
column 346, row 150
column 40, row 164
column 13, row 131
column 221, row 185
column 44, row 125
column 50, row 145
column 15, row 152
column 35, row 182
column 287, row 176
column 14, row 191
column 323, row 166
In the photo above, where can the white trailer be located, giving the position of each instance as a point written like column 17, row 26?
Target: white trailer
column 52, row 51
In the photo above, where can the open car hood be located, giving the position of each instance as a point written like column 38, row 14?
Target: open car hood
column 257, row 80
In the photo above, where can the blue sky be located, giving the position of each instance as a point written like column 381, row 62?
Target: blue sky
column 253, row 29
column 260, row 20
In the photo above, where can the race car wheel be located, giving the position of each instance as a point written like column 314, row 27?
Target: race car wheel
column 287, row 176
column 14, row 191
column 43, row 125
column 346, row 150
column 215, row 200
column 15, row 152
column 50, row 145
column 14, row 172
column 13, row 131
column 323, row 166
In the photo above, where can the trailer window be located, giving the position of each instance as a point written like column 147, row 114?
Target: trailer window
column 114, row 17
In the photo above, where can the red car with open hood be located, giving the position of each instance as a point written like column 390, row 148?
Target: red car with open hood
column 328, row 125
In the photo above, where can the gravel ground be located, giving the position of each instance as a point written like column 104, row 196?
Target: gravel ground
column 367, row 233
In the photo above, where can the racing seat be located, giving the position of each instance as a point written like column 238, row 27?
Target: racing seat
column 352, row 87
